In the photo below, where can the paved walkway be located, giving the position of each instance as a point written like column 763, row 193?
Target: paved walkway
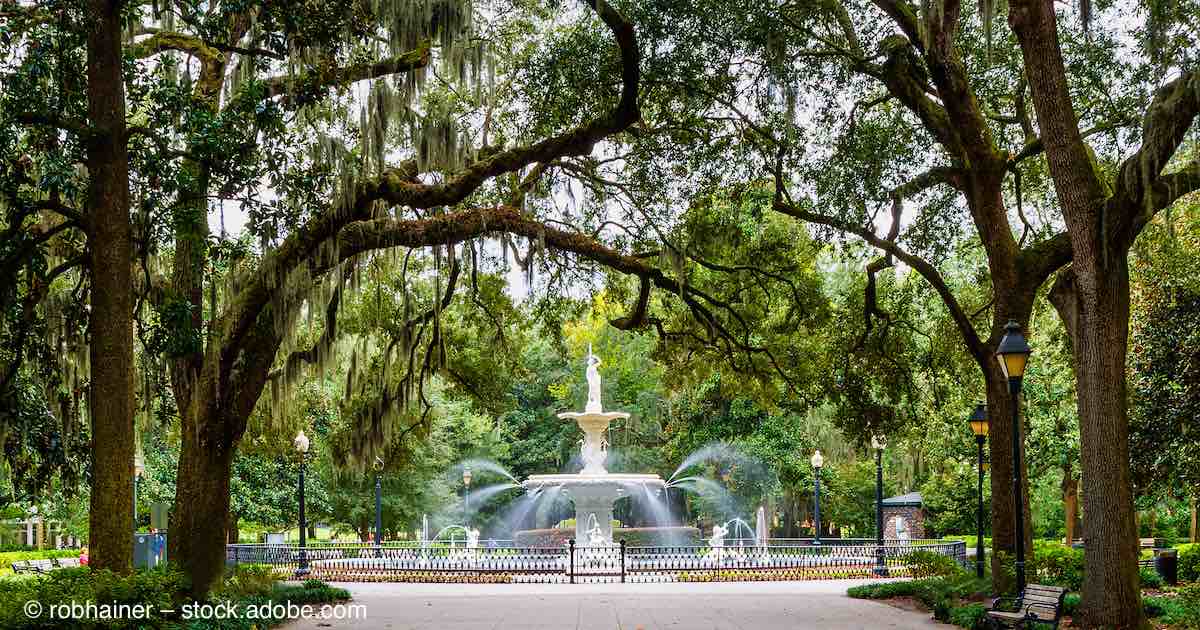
column 814, row 604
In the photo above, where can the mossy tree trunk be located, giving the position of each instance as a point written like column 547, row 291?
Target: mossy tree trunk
column 111, row 322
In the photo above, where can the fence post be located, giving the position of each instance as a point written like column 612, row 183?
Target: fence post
column 572, row 545
column 622, row 560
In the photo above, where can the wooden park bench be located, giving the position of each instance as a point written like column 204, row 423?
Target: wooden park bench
column 20, row 566
column 1036, row 604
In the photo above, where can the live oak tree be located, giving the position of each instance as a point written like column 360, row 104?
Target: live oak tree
column 1104, row 211
column 223, row 369
column 60, row 114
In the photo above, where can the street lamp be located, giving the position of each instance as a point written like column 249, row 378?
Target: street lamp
column 979, row 426
column 1013, row 353
column 139, row 466
column 301, row 444
column 378, row 506
column 817, row 462
column 878, row 442
column 466, row 495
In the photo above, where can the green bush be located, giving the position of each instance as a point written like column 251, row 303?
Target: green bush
column 1150, row 578
column 1056, row 564
column 972, row 616
column 1189, row 562
column 927, row 564
column 247, row 580
column 942, row 595
column 161, row 588
column 1071, row 604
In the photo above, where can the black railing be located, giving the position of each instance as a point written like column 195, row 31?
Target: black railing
column 780, row 560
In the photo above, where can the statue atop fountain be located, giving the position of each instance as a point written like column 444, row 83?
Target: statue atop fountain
column 593, row 381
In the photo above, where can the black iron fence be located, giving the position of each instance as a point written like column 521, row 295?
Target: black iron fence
column 739, row 560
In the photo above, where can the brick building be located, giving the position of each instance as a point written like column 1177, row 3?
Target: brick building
column 904, row 512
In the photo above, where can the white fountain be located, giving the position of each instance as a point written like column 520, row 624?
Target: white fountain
column 594, row 489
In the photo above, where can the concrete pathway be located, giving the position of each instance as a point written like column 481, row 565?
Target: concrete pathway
column 814, row 604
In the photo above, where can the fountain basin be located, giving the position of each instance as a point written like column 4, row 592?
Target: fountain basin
column 594, row 495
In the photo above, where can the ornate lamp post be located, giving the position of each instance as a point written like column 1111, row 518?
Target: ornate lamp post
column 378, row 506
column 878, row 443
column 1013, row 353
column 817, row 461
column 139, row 466
column 301, row 444
column 466, row 495
column 979, row 426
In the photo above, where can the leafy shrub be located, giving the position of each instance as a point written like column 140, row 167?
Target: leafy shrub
column 1174, row 612
column 973, row 616
column 1071, row 604
column 1189, row 562
column 1150, row 578
column 1058, row 565
column 247, row 580
column 159, row 588
column 927, row 564
column 942, row 595
column 1190, row 593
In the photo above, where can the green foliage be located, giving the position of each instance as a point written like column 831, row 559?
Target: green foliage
column 950, row 501
column 1164, row 357
column 1189, row 562
column 945, row 596
column 1055, row 564
column 247, row 580
column 1150, row 578
column 971, row 616
column 926, row 564
column 160, row 588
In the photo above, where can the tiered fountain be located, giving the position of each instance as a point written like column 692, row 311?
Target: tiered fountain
column 594, row 490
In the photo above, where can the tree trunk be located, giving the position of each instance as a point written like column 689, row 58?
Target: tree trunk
column 1192, row 531
column 201, row 503
column 1093, row 300
column 111, row 321
column 232, row 533
column 1070, row 492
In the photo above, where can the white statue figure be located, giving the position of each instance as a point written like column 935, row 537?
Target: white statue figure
column 717, row 540
column 596, row 535
column 593, row 379
column 902, row 532
column 472, row 539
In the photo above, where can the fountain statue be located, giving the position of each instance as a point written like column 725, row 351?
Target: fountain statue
column 593, row 381
column 717, row 540
column 596, row 536
column 594, row 489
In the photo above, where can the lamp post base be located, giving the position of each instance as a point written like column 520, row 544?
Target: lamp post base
column 880, row 569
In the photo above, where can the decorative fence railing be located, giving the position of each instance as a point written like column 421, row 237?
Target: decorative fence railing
column 779, row 560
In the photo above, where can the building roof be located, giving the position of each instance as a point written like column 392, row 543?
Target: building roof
column 912, row 499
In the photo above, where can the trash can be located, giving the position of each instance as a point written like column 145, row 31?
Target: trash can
column 1166, row 562
column 149, row 550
